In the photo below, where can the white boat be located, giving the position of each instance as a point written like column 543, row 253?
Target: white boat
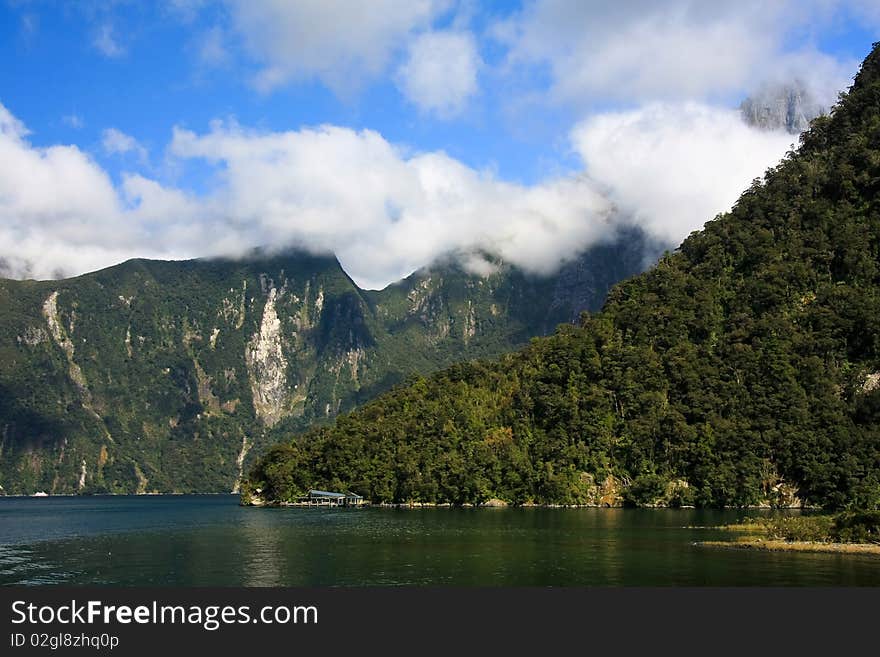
column 40, row 493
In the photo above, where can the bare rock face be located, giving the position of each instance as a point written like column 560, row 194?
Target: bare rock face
column 267, row 366
column 611, row 492
column 61, row 336
column 788, row 107
column 211, row 361
column 56, row 328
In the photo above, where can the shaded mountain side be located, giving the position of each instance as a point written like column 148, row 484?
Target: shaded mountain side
column 172, row 376
column 743, row 369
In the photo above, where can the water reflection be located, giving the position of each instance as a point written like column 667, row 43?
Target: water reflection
column 202, row 541
column 264, row 560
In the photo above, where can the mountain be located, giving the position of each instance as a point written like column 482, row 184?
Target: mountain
column 743, row 369
column 156, row 376
column 789, row 107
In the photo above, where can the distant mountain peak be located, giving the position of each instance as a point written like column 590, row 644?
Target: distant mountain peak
column 789, row 106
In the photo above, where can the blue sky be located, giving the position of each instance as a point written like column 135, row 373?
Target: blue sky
column 158, row 79
column 387, row 131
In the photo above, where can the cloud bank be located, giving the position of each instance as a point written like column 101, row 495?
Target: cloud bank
column 383, row 210
column 643, row 50
column 672, row 167
column 654, row 142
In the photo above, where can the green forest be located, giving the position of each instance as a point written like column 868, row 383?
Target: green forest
column 173, row 376
column 743, row 369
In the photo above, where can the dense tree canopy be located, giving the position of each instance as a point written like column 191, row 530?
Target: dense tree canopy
column 744, row 363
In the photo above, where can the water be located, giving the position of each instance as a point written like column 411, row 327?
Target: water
column 211, row 541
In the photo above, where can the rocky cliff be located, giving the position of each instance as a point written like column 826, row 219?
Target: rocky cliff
column 788, row 107
column 158, row 376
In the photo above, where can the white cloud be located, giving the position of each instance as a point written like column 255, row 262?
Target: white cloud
column 672, row 167
column 382, row 210
column 10, row 126
column 823, row 76
column 106, row 43
column 339, row 42
column 440, row 73
column 43, row 184
column 677, row 50
column 116, row 142
column 668, row 166
column 59, row 212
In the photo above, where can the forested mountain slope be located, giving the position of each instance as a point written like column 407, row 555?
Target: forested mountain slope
column 742, row 369
column 158, row 376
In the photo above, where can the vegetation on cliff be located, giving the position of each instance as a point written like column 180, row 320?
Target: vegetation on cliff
column 172, row 376
column 742, row 369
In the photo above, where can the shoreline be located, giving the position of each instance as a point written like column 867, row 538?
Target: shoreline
column 491, row 504
column 449, row 505
column 872, row 549
column 19, row 496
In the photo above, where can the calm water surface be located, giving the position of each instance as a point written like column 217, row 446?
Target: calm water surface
column 210, row 540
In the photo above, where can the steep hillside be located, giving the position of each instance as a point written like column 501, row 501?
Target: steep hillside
column 742, row 369
column 171, row 376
